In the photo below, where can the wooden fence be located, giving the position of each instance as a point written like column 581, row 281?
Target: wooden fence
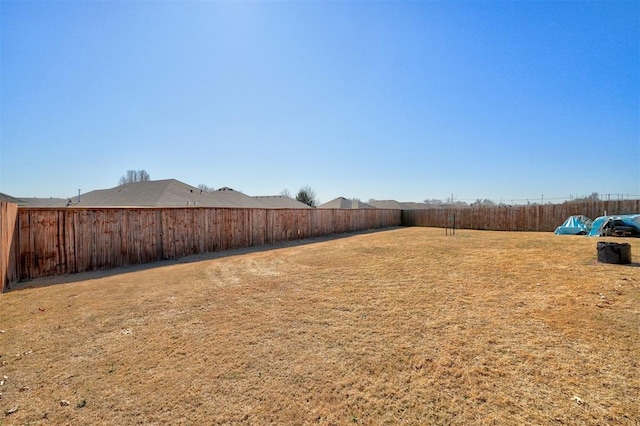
column 53, row 241
column 8, row 214
column 517, row 218
column 38, row 242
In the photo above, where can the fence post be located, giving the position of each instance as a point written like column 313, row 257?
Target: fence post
column 8, row 216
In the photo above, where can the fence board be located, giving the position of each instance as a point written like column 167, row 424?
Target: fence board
column 8, row 216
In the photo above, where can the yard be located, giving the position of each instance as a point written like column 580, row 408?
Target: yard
column 404, row 326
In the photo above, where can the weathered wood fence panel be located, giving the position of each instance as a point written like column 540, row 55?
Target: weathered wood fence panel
column 516, row 218
column 8, row 216
column 70, row 240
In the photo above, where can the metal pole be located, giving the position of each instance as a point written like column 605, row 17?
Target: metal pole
column 454, row 224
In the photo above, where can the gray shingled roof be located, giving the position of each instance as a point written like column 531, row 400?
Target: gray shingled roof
column 9, row 198
column 345, row 203
column 173, row 193
column 396, row 205
column 43, row 202
column 164, row 193
column 238, row 199
column 414, row 206
column 281, row 202
column 386, row 204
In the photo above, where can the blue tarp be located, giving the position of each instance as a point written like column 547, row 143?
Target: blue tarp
column 627, row 225
column 575, row 225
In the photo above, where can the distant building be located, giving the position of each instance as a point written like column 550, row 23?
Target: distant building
column 281, row 202
column 164, row 193
column 396, row 205
column 173, row 193
column 345, row 203
column 44, row 202
column 9, row 199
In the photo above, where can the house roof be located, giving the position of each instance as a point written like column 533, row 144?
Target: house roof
column 164, row 193
column 386, row 204
column 414, row 206
column 43, row 202
column 237, row 199
column 9, row 198
column 173, row 193
column 397, row 205
column 345, row 203
column 281, row 202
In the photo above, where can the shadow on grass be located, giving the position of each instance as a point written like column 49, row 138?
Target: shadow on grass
column 92, row 275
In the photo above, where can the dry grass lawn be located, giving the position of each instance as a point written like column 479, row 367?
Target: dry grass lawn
column 405, row 326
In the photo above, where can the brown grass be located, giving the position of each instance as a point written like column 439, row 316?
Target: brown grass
column 405, row 326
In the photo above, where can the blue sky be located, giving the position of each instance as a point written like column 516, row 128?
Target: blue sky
column 386, row 100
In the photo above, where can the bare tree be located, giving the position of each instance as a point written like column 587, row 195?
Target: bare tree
column 134, row 176
column 593, row 197
column 486, row 202
column 434, row 202
column 204, row 188
column 307, row 196
column 285, row 192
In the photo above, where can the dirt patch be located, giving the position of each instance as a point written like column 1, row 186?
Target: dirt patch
column 399, row 327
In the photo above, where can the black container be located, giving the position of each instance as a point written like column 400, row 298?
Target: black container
column 619, row 253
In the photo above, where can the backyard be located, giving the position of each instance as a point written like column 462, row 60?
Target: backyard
column 402, row 326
